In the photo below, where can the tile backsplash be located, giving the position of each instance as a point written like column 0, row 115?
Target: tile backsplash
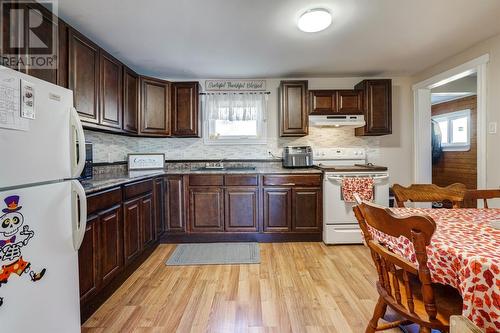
column 113, row 148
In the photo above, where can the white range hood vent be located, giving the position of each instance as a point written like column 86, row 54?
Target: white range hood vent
column 338, row 120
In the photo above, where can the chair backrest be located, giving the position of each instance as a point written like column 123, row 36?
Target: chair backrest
column 471, row 197
column 419, row 230
column 429, row 193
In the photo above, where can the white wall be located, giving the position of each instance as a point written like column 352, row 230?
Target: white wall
column 492, row 47
column 393, row 151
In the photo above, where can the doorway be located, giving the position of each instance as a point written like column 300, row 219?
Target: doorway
column 474, row 70
column 454, row 132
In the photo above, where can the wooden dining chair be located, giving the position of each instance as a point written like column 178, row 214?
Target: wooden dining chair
column 429, row 193
column 402, row 285
column 472, row 196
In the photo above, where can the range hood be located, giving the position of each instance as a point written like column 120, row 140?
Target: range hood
column 341, row 120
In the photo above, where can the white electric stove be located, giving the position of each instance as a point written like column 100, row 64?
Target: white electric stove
column 339, row 223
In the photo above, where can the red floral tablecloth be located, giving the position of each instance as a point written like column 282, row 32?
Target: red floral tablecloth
column 464, row 253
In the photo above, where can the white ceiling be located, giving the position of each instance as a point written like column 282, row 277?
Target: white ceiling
column 259, row 38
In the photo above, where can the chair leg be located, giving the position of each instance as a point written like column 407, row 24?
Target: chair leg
column 377, row 314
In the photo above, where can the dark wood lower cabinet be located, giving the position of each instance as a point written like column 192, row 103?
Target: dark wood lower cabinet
column 120, row 234
column 88, row 260
column 147, row 221
column 110, row 243
column 206, row 211
column 277, row 209
column 175, row 215
column 132, row 227
column 241, row 209
column 159, row 209
column 306, row 209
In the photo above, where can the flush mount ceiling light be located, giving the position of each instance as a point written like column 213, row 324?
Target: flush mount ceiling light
column 315, row 20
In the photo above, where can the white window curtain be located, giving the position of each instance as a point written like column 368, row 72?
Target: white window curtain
column 235, row 118
column 235, row 106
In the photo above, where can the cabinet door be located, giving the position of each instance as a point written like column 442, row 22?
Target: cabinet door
column 277, row 209
column 174, row 204
column 322, row 102
column 130, row 101
column 147, row 221
column 83, row 67
column 111, row 91
column 377, row 105
column 88, row 260
column 185, row 115
column 155, row 110
column 111, row 247
column 131, row 229
column 206, row 211
column 241, row 206
column 158, row 197
column 350, row 101
column 306, row 209
column 293, row 108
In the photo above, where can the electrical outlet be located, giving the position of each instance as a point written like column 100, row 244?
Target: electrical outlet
column 492, row 127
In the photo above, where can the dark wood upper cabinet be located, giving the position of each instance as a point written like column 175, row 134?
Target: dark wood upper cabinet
column 130, row 101
column 155, row 107
column 350, row 101
column 377, row 107
column 83, row 67
column 277, row 209
column 306, row 209
column 111, row 91
column 206, row 211
column 241, row 209
column 293, row 108
column 185, row 109
column 324, row 102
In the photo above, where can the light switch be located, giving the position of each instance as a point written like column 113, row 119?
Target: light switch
column 492, row 127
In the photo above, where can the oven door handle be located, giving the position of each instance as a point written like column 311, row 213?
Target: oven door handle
column 374, row 178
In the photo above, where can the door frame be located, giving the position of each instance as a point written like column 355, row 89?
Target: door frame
column 422, row 159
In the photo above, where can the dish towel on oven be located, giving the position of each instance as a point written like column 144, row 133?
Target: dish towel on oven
column 363, row 186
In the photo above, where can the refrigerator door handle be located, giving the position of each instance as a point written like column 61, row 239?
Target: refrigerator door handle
column 79, row 210
column 78, row 157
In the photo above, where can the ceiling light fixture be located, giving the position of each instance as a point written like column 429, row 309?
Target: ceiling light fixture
column 315, row 20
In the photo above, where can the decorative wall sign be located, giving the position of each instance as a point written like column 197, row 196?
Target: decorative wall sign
column 146, row 161
column 235, row 85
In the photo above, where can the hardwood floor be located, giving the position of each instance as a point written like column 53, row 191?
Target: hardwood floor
column 298, row 287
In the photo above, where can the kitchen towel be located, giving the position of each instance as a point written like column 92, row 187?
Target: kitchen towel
column 363, row 186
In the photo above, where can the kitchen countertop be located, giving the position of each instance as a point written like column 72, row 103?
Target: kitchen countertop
column 107, row 180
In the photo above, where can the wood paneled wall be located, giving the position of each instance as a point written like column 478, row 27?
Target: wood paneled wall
column 458, row 166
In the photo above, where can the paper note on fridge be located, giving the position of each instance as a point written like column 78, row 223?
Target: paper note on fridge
column 10, row 104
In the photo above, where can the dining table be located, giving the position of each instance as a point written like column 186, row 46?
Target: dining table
column 464, row 253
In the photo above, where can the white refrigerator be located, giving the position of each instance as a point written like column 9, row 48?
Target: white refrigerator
column 42, row 205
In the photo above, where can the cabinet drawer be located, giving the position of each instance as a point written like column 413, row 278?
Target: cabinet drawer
column 138, row 188
column 292, row 180
column 103, row 200
column 206, row 180
column 241, row 180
